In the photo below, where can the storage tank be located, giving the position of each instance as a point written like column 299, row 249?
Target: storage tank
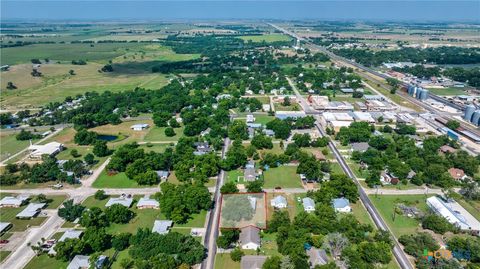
column 469, row 110
column 476, row 117
column 423, row 94
column 411, row 88
column 414, row 93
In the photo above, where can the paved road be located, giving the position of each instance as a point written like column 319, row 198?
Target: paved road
column 213, row 219
column 400, row 256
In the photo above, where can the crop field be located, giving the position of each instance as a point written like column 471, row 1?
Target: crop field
column 56, row 83
column 267, row 38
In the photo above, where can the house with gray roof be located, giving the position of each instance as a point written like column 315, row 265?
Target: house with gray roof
column 31, row 211
column 202, row 148
column 279, row 202
column 162, row 174
column 162, row 226
column 122, row 200
column 252, row 262
column 308, row 204
column 69, row 234
column 250, row 237
column 250, row 174
column 79, row 262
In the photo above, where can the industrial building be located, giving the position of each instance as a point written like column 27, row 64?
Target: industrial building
column 289, row 114
column 320, row 102
column 50, row 149
column 454, row 213
column 418, row 92
column 472, row 115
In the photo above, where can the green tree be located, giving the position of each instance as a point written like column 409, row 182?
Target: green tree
column 94, row 217
column 89, row 158
column 118, row 214
column 121, row 241
column 100, row 148
column 236, row 255
column 70, row 211
column 169, row 132
column 100, row 195
column 255, row 186
column 453, row 124
column 229, row 187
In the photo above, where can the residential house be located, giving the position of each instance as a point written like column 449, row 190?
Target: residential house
column 308, row 204
column 32, row 210
column 388, row 178
column 250, row 118
column 162, row 226
column 162, row 174
column 147, row 202
column 124, row 200
column 341, row 205
column 139, row 127
column 252, row 262
column 457, row 174
column 447, row 149
column 250, row 174
column 269, row 133
column 202, row 148
column 10, row 201
column 279, row 202
column 79, row 262
column 250, row 237
column 4, row 226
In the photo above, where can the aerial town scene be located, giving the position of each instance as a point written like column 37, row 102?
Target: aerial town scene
column 240, row 134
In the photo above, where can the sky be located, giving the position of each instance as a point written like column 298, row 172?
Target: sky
column 381, row 10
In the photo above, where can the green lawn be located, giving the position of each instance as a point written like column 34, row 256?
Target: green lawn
column 56, row 201
column 121, row 255
column 361, row 213
column 267, row 38
column 160, row 148
column 158, row 134
column 46, row 262
column 402, row 224
column 232, row 176
column 448, row 91
column 223, row 260
column 263, row 119
column 336, row 168
column 9, row 145
column 263, row 99
column 283, row 176
column 4, row 254
column 119, row 180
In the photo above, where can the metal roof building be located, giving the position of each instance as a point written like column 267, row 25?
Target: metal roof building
column 31, row 211
column 454, row 213
column 162, row 226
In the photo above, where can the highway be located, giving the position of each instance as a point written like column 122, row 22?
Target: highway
column 400, row 256
column 212, row 229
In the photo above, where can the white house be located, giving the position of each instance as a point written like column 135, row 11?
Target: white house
column 10, row 201
column 341, row 205
column 31, row 211
column 139, row 127
column 162, row 226
column 147, row 202
column 279, row 202
column 250, row 118
column 252, row 261
column 4, row 226
column 308, row 204
column 122, row 200
column 250, row 237
column 79, row 262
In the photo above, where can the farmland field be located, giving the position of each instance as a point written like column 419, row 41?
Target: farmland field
column 267, row 38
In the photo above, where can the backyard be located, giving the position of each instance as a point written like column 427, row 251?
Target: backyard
column 283, row 176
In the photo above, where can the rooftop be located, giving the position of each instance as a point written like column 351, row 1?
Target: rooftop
column 340, row 202
column 147, row 202
column 162, row 226
column 79, row 262
column 250, row 234
column 454, row 213
column 125, row 201
column 252, row 262
column 31, row 210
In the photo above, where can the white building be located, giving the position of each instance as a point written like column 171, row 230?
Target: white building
column 31, row 211
column 147, row 202
column 362, row 116
column 162, row 226
column 139, row 127
column 50, row 149
column 250, row 118
column 341, row 205
column 454, row 213
column 10, row 201
column 122, row 200
column 79, row 262
column 4, row 226
column 289, row 114
column 279, row 202
column 308, row 204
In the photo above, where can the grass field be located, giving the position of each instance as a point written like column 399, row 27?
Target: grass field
column 9, row 145
column 56, row 201
column 447, row 91
column 361, row 213
column 4, row 254
column 158, row 134
column 154, row 147
column 56, row 84
column 119, row 180
column 402, row 224
column 46, row 262
column 263, row 119
column 283, row 176
column 267, row 38
column 223, row 260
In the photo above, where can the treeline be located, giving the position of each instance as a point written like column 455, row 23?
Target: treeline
column 466, row 75
column 441, row 55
